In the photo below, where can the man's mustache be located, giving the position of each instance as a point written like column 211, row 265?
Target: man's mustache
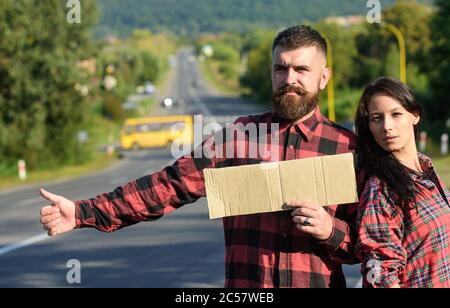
column 290, row 88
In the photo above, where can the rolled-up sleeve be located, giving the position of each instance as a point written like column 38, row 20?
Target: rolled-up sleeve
column 147, row 198
column 340, row 244
column 380, row 235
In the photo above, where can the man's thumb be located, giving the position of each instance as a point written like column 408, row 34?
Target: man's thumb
column 48, row 195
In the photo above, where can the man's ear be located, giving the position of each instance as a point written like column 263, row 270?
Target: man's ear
column 325, row 77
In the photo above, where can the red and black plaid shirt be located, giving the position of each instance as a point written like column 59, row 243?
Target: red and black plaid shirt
column 262, row 250
column 408, row 247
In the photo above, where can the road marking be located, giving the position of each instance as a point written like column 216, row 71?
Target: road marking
column 199, row 102
column 31, row 201
column 24, row 243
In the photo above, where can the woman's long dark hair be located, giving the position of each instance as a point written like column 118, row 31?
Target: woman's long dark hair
column 372, row 159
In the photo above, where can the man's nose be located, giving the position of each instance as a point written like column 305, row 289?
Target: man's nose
column 291, row 76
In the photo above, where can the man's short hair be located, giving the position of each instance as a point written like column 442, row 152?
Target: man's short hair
column 300, row 36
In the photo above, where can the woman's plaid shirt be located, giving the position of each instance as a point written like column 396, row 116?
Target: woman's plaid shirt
column 405, row 247
column 262, row 250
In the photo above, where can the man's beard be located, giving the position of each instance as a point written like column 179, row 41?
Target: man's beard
column 291, row 107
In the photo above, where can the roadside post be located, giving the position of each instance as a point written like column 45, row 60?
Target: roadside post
column 22, row 169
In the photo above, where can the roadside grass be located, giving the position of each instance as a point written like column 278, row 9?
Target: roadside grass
column 442, row 166
column 210, row 71
column 100, row 161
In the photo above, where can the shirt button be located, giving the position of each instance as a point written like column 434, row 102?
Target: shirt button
column 291, row 147
column 283, row 266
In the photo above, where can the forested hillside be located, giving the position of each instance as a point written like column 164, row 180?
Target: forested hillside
column 194, row 16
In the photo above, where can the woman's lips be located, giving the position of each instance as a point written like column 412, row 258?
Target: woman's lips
column 390, row 139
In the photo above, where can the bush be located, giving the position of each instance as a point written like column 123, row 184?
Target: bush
column 150, row 67
column 223, row 52
column 112, row 108
column 228, row 70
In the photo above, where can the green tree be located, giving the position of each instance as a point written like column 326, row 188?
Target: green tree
column 344, row 50
column 413, row 20
column 369, row 62
column 40, row 108
column 438, row 108
column 224, row 52
column 150, row 67
column 378, row 47
column 257, row 75
column 391, row 65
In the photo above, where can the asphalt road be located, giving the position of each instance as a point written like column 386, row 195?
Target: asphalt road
column 183, row 249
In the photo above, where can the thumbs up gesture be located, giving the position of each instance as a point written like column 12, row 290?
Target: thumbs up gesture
column 59, row 217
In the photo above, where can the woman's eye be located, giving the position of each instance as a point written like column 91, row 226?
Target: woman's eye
column 376, row 119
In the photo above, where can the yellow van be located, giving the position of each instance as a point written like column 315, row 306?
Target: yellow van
column 160, row 131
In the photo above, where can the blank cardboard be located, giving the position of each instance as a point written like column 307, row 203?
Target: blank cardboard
column 250, row 189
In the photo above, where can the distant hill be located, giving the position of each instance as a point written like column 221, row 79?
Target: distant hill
column 195, row 16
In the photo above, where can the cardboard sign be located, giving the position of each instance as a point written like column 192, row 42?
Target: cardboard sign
column 250, row 189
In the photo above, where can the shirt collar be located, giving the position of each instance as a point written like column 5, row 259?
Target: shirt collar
column 425, row 162
column 426, row 166
column 306, row 128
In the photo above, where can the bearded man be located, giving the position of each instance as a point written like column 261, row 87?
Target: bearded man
column 304, row 247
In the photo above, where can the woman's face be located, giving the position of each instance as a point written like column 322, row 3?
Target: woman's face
column 391, row 125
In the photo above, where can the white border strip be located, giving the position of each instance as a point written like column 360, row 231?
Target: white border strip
column 24, row 243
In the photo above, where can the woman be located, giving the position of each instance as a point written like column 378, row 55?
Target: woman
column 404, row 212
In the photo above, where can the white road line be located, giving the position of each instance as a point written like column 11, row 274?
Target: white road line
column 199, row 102
column 31, row 201
column 24, row 243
